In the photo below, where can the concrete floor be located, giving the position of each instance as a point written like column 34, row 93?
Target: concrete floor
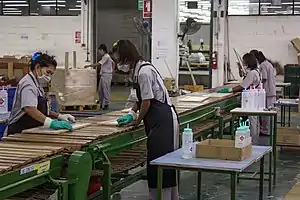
column 217, row 186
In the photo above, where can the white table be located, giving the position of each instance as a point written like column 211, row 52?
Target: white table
column 238, row 112
column 286, row 103
column 175, row 161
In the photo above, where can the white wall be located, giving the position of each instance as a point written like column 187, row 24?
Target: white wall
column 28, row 34
column 270, row 34
column 165, row 27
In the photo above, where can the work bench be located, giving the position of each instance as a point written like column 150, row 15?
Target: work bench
column 239, row 112
column 233, row 168
column 67, row 161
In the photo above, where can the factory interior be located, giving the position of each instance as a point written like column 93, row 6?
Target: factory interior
column 149, row 99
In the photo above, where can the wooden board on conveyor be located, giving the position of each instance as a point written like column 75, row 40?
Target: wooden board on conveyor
column 14, row 155
column 45, row 130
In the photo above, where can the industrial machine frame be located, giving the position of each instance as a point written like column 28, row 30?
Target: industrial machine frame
column 70, row 172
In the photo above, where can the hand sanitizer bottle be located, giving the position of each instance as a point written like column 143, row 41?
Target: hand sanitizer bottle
column 3, row 101
column 187, row 143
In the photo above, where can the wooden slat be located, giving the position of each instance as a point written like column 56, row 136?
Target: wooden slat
column 44, row 130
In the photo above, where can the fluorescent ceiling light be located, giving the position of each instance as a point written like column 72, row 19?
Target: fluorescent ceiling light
column 49, row 1
column 16, row 5
column 74, row 9
column 78, row 6
column 10, row 9
column 12, row 13
column 53, row 5
column 14, row 1
column 78, row 1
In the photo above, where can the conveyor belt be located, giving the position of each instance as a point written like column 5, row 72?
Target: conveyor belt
column 20, row 149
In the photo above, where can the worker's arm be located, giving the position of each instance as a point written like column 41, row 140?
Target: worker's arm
column 143, row 111
column 239, row 88
column 145, row 80
column 53, row 115
column 35, row 113
column 94, row 66
column 263, row 72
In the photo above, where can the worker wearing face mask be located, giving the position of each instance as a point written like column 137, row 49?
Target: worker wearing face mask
column 251, row 80
column 268, row 74
column 30, row 106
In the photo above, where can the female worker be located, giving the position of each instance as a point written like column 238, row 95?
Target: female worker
column 30, row 106
column 268, row 73
column 156, row 111
column 251, row 80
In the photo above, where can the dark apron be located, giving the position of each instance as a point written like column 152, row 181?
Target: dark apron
column 26, row 121
column 160, row 132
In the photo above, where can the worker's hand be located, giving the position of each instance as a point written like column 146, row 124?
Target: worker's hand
column 67, row 117
column 225, row 90
column 135, row 123
column 58, row 125
column 125, row 119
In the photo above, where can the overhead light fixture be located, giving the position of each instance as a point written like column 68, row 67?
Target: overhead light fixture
column 12, row 13
column 10, row 9
column 78, row 6
column 74, row 9
column 16, row 5
column 49, row 1
column 53, row 5
column 78, row 1
column 14, row 1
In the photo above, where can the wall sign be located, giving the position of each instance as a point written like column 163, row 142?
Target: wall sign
column 77, row 37
column 140, row 5
column 147, row 9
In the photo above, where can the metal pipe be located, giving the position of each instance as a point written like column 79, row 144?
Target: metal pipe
column 87, row 31
column 211, row 40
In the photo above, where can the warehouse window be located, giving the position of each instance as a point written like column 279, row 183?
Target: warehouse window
column 15, row 8
column 263, row 7
column 41, row 7
column 192, row 4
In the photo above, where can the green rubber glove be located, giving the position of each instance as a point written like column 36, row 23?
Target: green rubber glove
column 225, row 90
column 125, row 119
column 57, row 125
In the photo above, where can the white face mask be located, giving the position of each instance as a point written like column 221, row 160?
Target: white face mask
column 43, row 79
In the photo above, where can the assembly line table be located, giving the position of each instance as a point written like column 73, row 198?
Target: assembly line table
column 285, row 86
column 286, row 103
column 174, row 160
column 238, row 112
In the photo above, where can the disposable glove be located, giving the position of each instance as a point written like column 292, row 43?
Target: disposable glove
column 126, row 119
column 225, row 90
column 57, row 125
column 67, row 117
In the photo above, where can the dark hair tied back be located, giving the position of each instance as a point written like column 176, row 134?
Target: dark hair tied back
column 43, row 59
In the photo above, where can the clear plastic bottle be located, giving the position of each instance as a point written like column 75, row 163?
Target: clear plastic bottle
column 240, row 137
column 262, row 98
column 3, row 101
column 245, row 98
column 187, row 143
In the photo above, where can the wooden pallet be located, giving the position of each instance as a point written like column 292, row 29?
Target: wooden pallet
column 93, row 107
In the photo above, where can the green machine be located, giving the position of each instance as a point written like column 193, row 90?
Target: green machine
column 67, row 175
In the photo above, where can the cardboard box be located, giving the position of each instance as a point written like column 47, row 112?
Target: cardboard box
column 296, row 44
column 222, row 149
column 288, row 136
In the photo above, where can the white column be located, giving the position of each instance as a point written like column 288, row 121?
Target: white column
column 218, row 75
column 165, row 46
